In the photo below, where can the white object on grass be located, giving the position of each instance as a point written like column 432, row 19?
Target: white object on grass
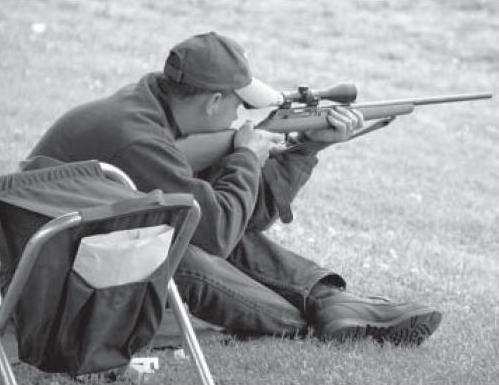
column 144, row 366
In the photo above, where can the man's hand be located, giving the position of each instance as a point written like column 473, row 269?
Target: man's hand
column 258, row 141
column 343, row 123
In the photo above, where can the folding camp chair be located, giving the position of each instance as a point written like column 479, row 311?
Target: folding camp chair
column 57, row 207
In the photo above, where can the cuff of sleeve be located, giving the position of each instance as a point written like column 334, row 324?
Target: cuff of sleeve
column 302, row 145
column 282, row 198
column 312, row 148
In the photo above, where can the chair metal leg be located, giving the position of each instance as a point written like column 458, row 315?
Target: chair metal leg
column 6, row 372
column 188, row 332
column 8, row 377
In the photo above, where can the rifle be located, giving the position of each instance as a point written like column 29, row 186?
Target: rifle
column 202, row 150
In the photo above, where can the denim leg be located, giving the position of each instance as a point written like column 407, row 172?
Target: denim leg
column 280, row 269
column 218, row 292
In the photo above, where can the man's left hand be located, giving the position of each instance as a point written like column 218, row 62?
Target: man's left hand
column 343, row 122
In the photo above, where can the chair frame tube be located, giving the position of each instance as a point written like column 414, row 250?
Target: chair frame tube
column 6, row 372
column 28, row 259
column 26, row 262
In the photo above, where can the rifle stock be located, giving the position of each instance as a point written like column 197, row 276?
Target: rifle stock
column 203, row 150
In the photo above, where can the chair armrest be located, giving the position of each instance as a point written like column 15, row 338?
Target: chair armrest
column 155, row 200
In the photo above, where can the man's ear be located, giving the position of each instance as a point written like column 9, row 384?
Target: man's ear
column 213, row 103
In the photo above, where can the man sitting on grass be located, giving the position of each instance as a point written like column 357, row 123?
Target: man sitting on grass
column 232, row 275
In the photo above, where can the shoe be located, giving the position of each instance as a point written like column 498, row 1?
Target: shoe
column 342, row 316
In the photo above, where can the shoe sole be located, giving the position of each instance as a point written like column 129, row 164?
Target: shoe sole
column 411, row 329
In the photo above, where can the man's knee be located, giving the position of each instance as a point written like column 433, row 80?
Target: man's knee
column 218, row 292
column 196, row 260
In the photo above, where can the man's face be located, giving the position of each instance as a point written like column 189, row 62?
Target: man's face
column 224, row 112
column 207, row 112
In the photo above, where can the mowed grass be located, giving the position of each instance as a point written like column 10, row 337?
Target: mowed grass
column 410, row 212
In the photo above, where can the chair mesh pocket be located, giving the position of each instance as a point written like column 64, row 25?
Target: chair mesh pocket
column 101, row 328
column 112, row 303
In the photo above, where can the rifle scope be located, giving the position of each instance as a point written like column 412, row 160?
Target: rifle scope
column 342, row 93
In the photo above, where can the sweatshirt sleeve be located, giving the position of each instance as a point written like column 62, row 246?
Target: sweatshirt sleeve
column 226, row 203
column 283, row 175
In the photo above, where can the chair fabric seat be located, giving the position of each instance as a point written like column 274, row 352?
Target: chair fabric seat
column 55, row 191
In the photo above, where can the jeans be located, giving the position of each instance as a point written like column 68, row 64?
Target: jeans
column 261, row 288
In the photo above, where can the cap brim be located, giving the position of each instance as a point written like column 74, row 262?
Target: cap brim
column 257, row 94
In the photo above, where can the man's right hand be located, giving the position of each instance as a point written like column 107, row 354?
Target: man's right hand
column 258, row 141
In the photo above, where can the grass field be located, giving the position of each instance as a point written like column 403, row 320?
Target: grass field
column 410, row 212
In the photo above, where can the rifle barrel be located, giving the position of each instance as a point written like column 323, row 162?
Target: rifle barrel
column 424, row 101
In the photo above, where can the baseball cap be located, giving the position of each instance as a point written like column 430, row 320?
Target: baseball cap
column 214, row 62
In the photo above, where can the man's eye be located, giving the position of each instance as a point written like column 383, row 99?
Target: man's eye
column 240, row 110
